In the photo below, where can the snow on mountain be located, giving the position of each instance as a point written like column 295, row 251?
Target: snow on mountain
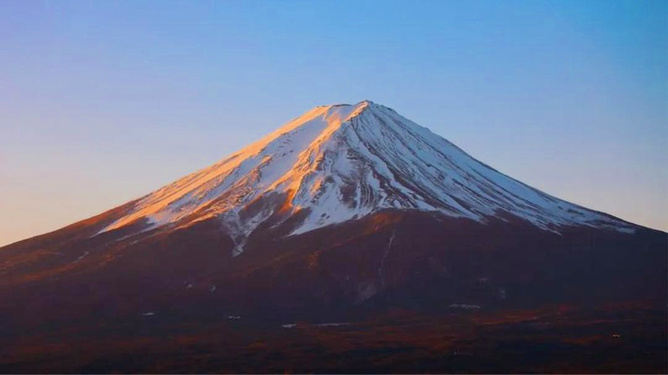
column 342, row 162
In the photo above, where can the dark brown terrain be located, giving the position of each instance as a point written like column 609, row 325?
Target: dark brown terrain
column 414, row 291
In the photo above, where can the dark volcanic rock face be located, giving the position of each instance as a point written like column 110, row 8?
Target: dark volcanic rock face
column 436, row 269
column 390, row 259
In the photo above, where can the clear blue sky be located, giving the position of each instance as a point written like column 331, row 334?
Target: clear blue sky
column 104, row 101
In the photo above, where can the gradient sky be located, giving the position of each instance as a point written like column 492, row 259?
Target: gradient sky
column 105, row 101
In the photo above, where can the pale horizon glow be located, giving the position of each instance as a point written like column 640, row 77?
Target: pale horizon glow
column 104, row 102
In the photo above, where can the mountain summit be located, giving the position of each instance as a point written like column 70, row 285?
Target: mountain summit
column 342, row 162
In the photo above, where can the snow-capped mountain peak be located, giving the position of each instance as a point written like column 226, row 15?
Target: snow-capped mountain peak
column 341, row 162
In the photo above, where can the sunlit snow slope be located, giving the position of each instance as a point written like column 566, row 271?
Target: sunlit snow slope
column 342, row 162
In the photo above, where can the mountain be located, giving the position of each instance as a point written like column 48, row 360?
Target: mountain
column 346, row 212
column 343, row 162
